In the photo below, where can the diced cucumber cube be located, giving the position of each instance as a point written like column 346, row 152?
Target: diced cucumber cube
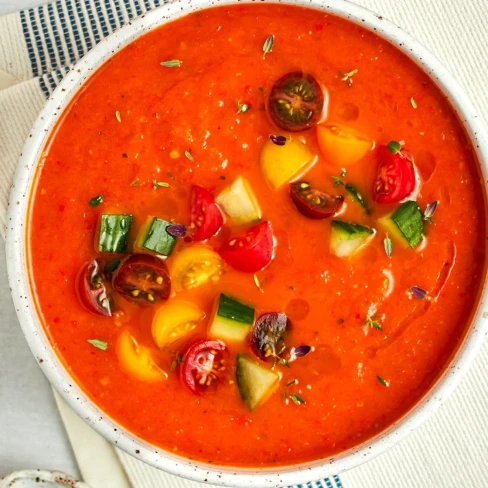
column 232, row 320
column 114, row 231
column 239, row 202
column 256, row 382
column 154, row 237
column 347, row 238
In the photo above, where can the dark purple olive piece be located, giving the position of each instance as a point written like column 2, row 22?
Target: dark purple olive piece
column 301, row 351
column 418, row 293
column 267, row 335
column 176, row 230
column 277, row 139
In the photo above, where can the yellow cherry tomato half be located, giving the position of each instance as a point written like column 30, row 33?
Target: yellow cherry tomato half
column 175, row 320
column 342, row 145
column 283, row 161
column 194, row 266
column 137, row 360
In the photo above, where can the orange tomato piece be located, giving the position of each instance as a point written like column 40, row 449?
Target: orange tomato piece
column 342, row 145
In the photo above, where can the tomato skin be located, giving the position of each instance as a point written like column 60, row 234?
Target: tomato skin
column 92, row 291
column 395, row 178
column 199, row 362
column 297, row 102
column 249, row 252
column 136, row 279
column 206, row 217
column 328, row 205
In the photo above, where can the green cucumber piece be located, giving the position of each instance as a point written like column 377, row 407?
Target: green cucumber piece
column 358, row 197
column 256, row 383
column 408, row 219
column 232, row 320
column 154, row 237
column 347, row 238
column 239, row 202
column 114, row 231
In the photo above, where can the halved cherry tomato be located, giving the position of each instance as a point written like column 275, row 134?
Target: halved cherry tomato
column 342, row 145
column 142, row 279
column 92, row 291
column 395, row 179
column 195, row 266
column 203, row 364
column 206, row 218
column 268, row 335
column 251, row 251
column 312, row 203
column 296, row 102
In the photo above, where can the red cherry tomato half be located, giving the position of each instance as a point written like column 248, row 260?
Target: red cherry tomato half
column 142, row 279
column 395, row 179
column 296, row 102
column 92, row 291
column 206, row 218
column 251, row 251
column 312, row 203
column 203, row 365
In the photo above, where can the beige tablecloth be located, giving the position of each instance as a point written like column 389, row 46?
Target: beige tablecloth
column 450, row 450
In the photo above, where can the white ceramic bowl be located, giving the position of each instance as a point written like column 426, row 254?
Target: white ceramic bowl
column 53, row 369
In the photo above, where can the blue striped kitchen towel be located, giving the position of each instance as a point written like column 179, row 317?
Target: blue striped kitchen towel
column 38, row 47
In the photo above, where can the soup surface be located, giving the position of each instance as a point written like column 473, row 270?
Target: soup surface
column 327, row 238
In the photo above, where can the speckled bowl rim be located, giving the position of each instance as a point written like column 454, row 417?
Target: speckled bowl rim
column 59, row 377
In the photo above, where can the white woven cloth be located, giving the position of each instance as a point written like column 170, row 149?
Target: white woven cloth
column 450, row 450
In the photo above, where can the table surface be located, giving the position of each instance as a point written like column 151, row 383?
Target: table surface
column 32, row 434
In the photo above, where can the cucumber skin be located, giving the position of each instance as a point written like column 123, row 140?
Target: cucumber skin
column 351, row 230
column 114, row 224
column 244, row 385
column 230, row 308
column 413, row 232
column 156, row 238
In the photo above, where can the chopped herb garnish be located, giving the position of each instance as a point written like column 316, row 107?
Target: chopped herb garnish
column 429, row 211
column 292, row 382
column 347, row 77
column 177, row 360
column 160, row 184
column 418, row 292
column 242, row 108
column 382, row 381
column 277, row 139
column 112, row 266
column 297, row 400
column 284, row 362
column 176, row 230
column 257, row 283
column 96, row 201
column 189, row 156
column 394, row 147
column 352, row 191
column 302, row 351
column 388, row 243
column 118, row 117
column 374, row 324
column 268, row 45
column 413, row 102
column 125, row 155
column 340, row 321
column 285, row 397
column 344, row 172
column 135, row 182
column 102, row 345
column 171, row 63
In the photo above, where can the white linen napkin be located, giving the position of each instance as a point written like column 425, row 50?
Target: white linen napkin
column 38, row 46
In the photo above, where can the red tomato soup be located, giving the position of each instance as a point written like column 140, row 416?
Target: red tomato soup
column 257, row 235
